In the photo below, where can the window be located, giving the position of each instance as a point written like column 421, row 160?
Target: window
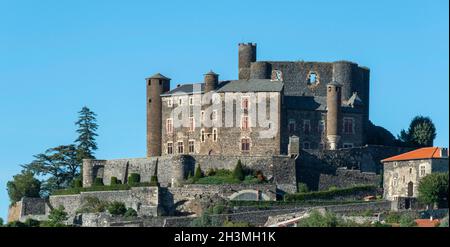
column 245, row 144
column 277, row 75
column 214, row 133
column 321, row 126
column 202, row 135
column 191, row 146
column 306, row 126
column 180, row 101
column 348, row 126
column 191, row 100
column 410, row 170
column 169, row 126
column 313, row 78
column 291, row 125
column 191, row 124
column 202, row 115
column 347, row 145
column 306, row 145
column 170, row 102
column 214, row 115
column 422, row 171
column 180, row 147
column 245, row 122
column 169, row 148
column 245, row 103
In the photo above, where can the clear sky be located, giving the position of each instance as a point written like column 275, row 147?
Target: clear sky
column 57, row 56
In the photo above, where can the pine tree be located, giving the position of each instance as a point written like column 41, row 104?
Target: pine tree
column 238, row 172
column 87, row 127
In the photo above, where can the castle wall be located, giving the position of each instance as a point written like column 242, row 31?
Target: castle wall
column 344, row 178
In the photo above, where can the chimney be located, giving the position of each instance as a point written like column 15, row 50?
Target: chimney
column 444, row 152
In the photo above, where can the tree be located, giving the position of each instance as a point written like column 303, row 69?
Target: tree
column 1, row 221
column 238, row 172
column 421, row 133
column 23, row 184
column 377, row 135
column 433, row 189
column 57, row 217
column 87, row 127
column 58, row 166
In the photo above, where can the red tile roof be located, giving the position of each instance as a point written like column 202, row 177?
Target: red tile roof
column 418, row 154
column 427, row 222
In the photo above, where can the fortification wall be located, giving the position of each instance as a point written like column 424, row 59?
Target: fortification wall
column 344, row 178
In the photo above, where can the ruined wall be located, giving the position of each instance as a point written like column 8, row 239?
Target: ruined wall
column 14, row 211
column 344, row 178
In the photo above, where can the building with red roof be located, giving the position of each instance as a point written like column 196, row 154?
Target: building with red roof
column 403, row 172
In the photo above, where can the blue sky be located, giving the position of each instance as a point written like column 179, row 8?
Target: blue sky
column 57, row 56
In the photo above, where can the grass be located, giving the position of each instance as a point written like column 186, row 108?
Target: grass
column 224, row 177
column 329, row 194
column 74, row 191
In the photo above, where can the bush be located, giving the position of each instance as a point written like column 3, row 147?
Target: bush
column 98, row 182
column 316, row 219
column 15, row 224
column 236, row 224
column 219, row 209
column 260, row 177
column 77, row 183
column 198, row 173
column 211, row 172
column 134, row 179
column 130, row 213
column 92, row 205
column 117, row 208
column 330, row 194
column 444, row 222
column 392, row 217
column 57, row 217
column 154, row 181
column 72, row 191
column 302, row 188
column 114, row 181
column 238, row 172
column 407, row 221
column 31, row 222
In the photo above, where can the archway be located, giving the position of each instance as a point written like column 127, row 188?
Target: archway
column 249, row 195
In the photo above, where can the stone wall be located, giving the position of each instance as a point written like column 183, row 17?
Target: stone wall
column 345, row 178
column 14, row 211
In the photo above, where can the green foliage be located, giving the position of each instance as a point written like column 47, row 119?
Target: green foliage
column 113, row 181
column 58, row 167
column 331, row 188
column 130, row 213
column 87, row 127
column 211, row 172
column 77, row 183
column 392, row 217
column 92, row 205
column 117, row 208
column 302, row 188
column 421, row 133
column 330, row 194
column 72, row 191
column 238, row 172
column 154, row 181
column 379, row 224
column 316, row 219
column 433, row 189
column 23, row 185
column 206, row 221
column 407, row 220
column 236, row 224
column 444, row 222
column 198, row 173
column 219, row 209
column 377, row 135
column 32, row 222
column 98, row 182
column 223, row 173
column 1, row 221
column 15, row 224
column 134, row 179
column 57, row 217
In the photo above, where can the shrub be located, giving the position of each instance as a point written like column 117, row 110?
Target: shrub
column 444, row 222
column 302, row 188
column 236, row 224
column 407, row 221
column 260, row 177
column 130, row 213
column 134, row 179
column 77, row 183
column 330, row 194
column 72, row 191
column 238, row 172
column 392, row 217
column 223, row 173
column 117, row 208
column 219, row 209
column 316, row 219
column 57, row 217
column 331, row 188
column 114, row 181
column 92, row 205
column 31, row 222
column 211, row 172
column 198, row 173
column 15, row 224
column 98, row 182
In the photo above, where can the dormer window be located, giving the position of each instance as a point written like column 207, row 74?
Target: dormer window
column 277, row 75
column 313, row 78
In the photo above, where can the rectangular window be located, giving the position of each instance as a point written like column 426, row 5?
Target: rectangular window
column 422, row 171
column 180, row 147
column 169, row 148
column 215, row 135
column 245, row 144
column 170, row 102
column 202, row 135
column 169, row 126
column 202, row 115
column 191, row 146
column 306, row 126
column 245, row 123
column 291, row 125
column 191, row 100
column 348, row 126
column 191, row 124
column 245, row 103
column 180, row 101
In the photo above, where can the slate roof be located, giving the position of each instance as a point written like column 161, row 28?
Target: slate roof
column 252, row 85
column 418, row 154
column 305, row 102
column 186, row 89
column 158, row 76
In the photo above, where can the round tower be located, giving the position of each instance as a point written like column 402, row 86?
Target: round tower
column 260, row 70
column 156, row 85
column 346, row 74
column 333, row 114
column 247, row 55
column 211, row 81
column 88, row 172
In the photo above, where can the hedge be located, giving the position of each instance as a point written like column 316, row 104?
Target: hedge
column 134, row 178
column 267, row 204
column 330, row 194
